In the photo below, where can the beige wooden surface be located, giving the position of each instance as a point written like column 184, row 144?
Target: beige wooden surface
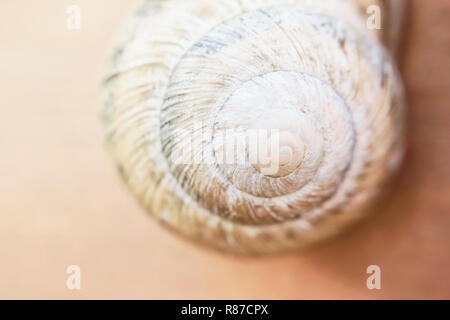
column 62, row 203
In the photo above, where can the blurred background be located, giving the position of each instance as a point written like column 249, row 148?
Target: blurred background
column 62, row 203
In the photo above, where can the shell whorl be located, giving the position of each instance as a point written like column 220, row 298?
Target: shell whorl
column 304, row 77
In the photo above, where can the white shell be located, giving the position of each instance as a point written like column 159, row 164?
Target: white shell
column 186, row 73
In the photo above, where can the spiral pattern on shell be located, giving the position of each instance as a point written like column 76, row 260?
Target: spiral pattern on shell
column 304, row 77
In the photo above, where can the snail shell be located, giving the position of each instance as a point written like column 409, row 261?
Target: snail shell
column 304, row 77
